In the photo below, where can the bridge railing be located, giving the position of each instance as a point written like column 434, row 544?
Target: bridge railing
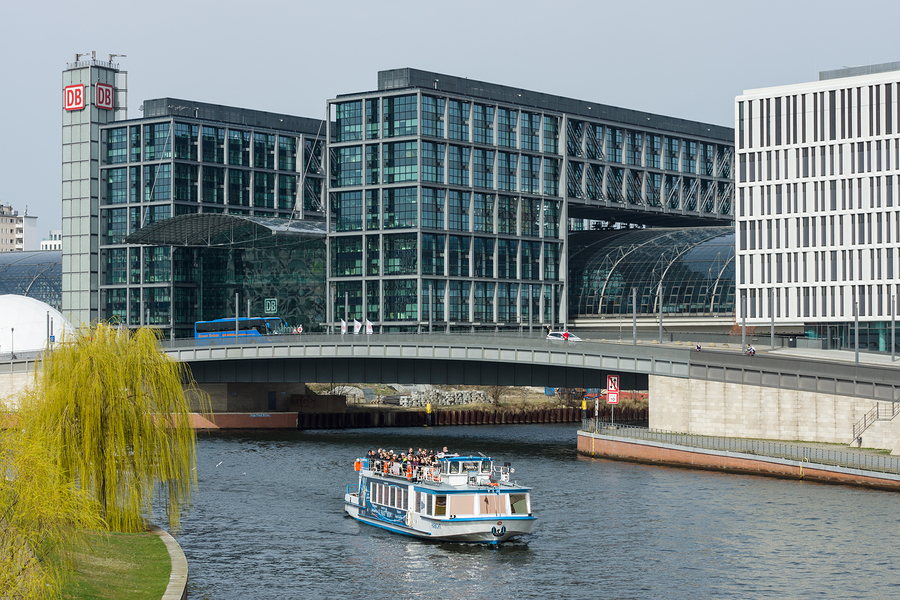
column 536, row 339
column 810, row 454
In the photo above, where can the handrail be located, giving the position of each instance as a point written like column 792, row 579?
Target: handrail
column 874, row 415
column 795, row 452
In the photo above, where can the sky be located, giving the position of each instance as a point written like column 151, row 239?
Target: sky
column 684, row 58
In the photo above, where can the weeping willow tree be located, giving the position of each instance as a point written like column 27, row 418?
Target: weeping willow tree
column 112, row 409
column 42, row 518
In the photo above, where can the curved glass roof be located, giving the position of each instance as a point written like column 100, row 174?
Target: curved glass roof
column 693, row 267
column 36, row 275
column 216, row 229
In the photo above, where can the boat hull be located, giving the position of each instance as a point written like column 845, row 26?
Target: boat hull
column 480, row 530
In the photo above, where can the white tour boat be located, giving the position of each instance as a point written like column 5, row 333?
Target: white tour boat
column 457, row 499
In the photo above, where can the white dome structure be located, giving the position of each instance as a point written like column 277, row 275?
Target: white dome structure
column 24, row 324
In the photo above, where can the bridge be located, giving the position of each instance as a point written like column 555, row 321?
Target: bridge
column 517, row 360
column 773, row 395
column 781, row 394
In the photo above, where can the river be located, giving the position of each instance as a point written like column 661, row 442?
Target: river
column 267, row 523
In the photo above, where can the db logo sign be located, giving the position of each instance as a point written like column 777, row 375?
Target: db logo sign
column 103, row 96
column 73, row 97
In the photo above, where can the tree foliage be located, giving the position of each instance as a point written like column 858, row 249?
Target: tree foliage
column 42, row 517
column 111, row 409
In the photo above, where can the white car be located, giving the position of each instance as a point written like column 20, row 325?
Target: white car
column 562, row 336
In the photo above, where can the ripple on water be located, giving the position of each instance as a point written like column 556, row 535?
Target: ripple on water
column 267, row 523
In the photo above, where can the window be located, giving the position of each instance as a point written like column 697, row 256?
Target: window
column 400, row 162
column 157, row 142
column 400, row 116
column 186, row 141
column 400, row 210
column 506, row 127
column 458, row 211
column 348, row 122
column 483, row 124
column 116, row 186
column 458, row 120
column 399, row 253
column 212, row 144
column 432, row 116
column 116, row 146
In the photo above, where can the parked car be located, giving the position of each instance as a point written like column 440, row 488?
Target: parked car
column 563, row 336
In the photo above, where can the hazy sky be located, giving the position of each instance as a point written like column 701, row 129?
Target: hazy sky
column 685, row 58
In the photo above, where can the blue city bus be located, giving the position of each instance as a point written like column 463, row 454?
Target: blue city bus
column 246, row 327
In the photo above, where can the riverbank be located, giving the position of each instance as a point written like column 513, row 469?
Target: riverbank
column 807, row 463
column 363, row 418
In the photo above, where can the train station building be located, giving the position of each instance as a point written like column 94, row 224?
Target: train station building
column 433, row 201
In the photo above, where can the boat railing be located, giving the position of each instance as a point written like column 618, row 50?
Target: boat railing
column 353, row 489
column 501, row 473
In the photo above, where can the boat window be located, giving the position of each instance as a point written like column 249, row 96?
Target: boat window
column 454, row 467
column 440, row 505
column 519, row 504
column 490, row 504
column 470, row 466
column 462, row 504
column 486, row 466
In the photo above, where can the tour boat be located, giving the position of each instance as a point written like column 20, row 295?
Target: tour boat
column 457, row 499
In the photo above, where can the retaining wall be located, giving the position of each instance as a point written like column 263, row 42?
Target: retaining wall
column 751, row 411
column 643, row 451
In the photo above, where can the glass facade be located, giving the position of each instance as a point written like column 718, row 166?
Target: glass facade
column 168, row 166
column 36, row 275
column 693, row 268
column 485, row 191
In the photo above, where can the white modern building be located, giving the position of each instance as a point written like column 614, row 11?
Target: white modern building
column 54, row 242
column 817, row 214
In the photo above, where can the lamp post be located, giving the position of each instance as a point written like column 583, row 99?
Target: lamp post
column 12, row 336
column 634, row 316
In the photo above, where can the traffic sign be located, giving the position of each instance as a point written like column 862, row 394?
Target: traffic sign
column 612, row 389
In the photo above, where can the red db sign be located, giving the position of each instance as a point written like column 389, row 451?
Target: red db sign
column 73, row 97
column 103, row 96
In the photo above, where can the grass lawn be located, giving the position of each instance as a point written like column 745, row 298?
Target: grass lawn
column 120, row 566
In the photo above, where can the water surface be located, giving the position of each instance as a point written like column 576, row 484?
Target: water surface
column 267, row 523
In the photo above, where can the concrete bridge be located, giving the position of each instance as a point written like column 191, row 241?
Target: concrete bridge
column 786, row 395
column 773, row 395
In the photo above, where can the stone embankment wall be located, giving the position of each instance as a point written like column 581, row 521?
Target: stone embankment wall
column 750, row 411
column 649, row 452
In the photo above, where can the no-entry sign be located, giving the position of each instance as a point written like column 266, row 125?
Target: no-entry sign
column 612, row 389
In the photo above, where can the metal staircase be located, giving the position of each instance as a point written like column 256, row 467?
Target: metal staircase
column 878, row 413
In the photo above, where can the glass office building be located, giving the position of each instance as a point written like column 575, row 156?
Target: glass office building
column 190, row 158
column 450, row 201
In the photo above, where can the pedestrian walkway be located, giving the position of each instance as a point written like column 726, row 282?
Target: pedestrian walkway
column 834, row 454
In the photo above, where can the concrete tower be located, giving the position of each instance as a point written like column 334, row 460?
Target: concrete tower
column 94, row 93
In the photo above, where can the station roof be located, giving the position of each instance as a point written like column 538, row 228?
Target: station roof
column 217, row 229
